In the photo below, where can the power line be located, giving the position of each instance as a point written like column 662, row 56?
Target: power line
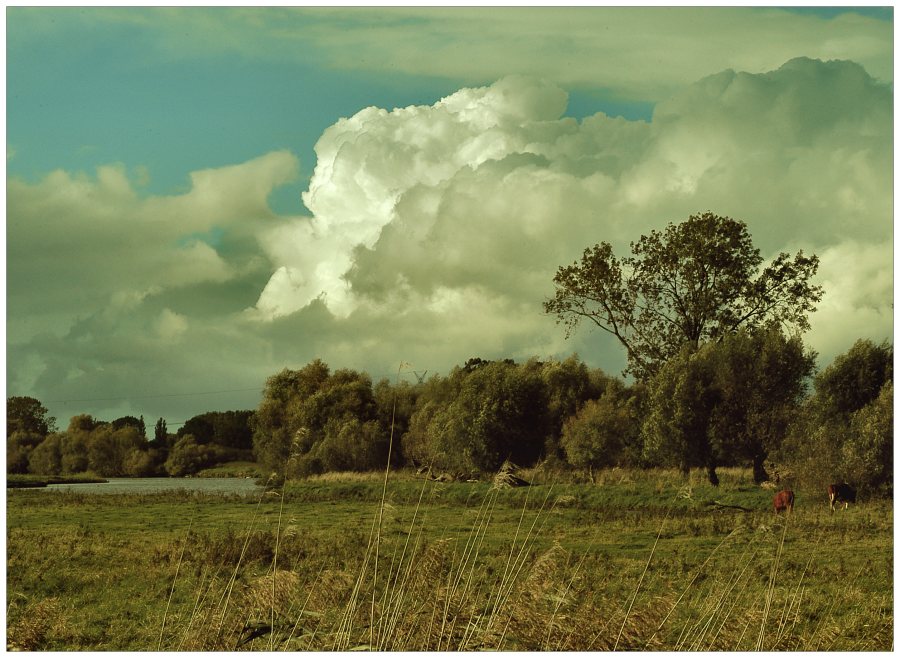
column 182, row 395
column 150, row 397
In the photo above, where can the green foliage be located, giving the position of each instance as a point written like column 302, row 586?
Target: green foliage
column 75, row 452
column 416, row 442
column 46, row 458
column 200, row 427
column 488, row 411
column 302, row 409
column 395, row 403
column 139, row 463
column 604, row 432
column 681, row 401
column 90, row 445
column 160, row 433
column 845, row 430
column 108, row 449
column 854, row 379
column 729, row 402
column 225, row 428
column 761, row 379
column 276, row 424
column 694, row 282
column 869, row 450
column 131, row 421
column 186, row 457
column 569, row 384
column 83, row 423
column 352, row 445
column 26, row 414
column 19, row 445
column 498, row 413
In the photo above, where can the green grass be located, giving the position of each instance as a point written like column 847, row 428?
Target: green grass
column 637, row 560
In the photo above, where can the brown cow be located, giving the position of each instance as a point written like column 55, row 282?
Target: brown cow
column 784, row 500
column 841, row 493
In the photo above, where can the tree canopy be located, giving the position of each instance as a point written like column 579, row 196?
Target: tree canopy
column 694, row 282
column 26, row 414
column 727, row 403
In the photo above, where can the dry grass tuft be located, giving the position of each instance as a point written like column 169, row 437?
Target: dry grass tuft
column 506, row 477
column 261, row 595
column 331, row 590
column 38, row 622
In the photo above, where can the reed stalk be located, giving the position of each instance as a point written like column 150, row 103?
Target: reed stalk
column 521, row 561
column 640, row 581
column 226, row 595
column 174, row 581
column 689, row 585
column 770, row 591
column 275, row 570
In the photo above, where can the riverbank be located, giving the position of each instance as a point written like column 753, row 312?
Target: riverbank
column 38, row 481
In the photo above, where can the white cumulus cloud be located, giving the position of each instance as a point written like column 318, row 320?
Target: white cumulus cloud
column 482, row 195
column 435, row 231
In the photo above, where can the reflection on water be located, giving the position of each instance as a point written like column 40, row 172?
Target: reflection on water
column 155, row 485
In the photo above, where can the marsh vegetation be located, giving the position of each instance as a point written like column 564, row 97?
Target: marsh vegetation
column 636, row 560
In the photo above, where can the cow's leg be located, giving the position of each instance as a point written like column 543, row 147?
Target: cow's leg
column 831, row 501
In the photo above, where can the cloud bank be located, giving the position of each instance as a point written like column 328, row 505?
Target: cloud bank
column 434, row 233
column 634, row 52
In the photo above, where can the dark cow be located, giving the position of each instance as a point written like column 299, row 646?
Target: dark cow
column 841, row 493
column 783, row 501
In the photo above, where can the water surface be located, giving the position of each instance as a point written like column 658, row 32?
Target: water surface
column 155, row 485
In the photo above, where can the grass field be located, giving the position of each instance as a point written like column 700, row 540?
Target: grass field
column 638, row 560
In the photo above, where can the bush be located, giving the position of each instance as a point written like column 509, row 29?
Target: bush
column 604, row 432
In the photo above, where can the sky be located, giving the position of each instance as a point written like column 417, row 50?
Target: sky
column 198, row 198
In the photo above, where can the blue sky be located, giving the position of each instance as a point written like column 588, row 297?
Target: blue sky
column 158, row 237
column 96, row 96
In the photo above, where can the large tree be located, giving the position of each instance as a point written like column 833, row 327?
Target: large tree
column 604, row 432
column 493, row 411
column 761, row 378
column 726, row 403
column 26, row 414
column 845, row 430
column 302, row 408
column 694, row 282
column 854, row 379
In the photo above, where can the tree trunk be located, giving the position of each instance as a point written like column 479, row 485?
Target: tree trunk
column 759, row 470
column 711, row 473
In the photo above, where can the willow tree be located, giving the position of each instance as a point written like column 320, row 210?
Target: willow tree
column 692, row 283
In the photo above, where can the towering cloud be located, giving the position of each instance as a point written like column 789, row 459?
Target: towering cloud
column 435, row 232
column 464, row 209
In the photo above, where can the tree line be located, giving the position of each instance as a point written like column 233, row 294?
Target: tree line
column 121, row 447
column 749, row 400
column 718, row 376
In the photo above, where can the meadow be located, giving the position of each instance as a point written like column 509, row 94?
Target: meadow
column 637, row 560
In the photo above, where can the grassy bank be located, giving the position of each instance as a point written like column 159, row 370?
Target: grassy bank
column 239, row 469
column 634, row 561
column 37, row 481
